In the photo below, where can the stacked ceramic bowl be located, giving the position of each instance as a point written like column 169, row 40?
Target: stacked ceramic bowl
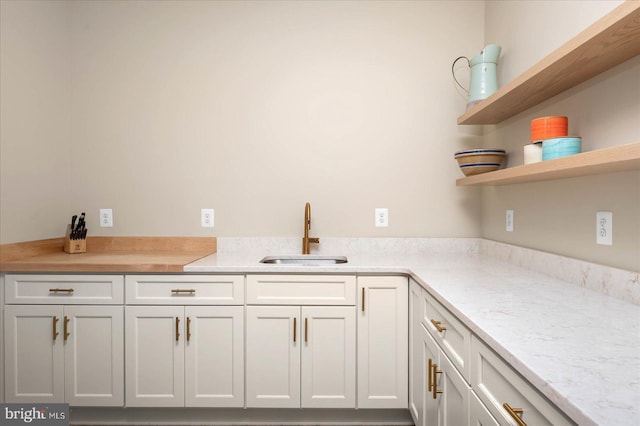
column 549, row 140
column 476, row 161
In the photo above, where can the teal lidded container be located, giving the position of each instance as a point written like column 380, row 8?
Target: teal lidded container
column 561, row 147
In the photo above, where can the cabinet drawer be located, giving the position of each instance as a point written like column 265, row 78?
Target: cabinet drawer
column 301, row 290
column 453, row 336
column 64, row 289
column 184, row 289
column 497, row 384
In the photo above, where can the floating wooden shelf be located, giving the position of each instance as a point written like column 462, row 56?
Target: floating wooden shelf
column 611, row 40
column 608, row 160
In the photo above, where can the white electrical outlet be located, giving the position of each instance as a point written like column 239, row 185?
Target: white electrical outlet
column 382, row 217
column 604, row 228
column 106, row 218
column 509, row 221
column 206, row 218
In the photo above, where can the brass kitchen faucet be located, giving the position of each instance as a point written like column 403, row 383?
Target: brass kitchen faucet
column 306, row 240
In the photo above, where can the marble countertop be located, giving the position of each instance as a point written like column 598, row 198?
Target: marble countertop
column 578, row 347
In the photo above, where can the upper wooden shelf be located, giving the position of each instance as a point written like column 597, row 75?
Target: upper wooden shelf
column 611, row 40
column 608, row 160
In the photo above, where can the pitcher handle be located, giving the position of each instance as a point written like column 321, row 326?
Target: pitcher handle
column 454, row 74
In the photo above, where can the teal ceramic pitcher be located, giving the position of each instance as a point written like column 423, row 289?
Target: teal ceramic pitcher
column 484, row 76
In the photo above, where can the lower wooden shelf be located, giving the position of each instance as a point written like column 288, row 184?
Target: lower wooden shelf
column 607, row 160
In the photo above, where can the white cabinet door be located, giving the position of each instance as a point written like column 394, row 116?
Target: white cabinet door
column 273, row 356
column 453, row 402
column 383, row 342
column 479, row 415
column 154, row 356
column 214, row 356
column 34, row 354
column 328, row 370
column 94, row 348
column 416, row 366
column 429, row 354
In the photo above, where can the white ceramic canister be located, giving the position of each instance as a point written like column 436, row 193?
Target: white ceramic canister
column 532, row 153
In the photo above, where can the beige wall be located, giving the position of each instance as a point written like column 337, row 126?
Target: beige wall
column 254, row 108
column 158, row 109
column 560, row 216
column 35, row 111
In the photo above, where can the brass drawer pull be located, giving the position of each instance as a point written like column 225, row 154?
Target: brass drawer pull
column 295, row 332
column 437, row 325
column 66, row 333
column 306, row 329
column 55, row 327
column 362, row 299
column 515, row 413
column 60, row 290
column 188, row 329
column 435, row 381
column 179, row 290
column 430, row 366
column 177, row 328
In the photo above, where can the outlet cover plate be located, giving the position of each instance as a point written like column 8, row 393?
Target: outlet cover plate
column 382, row 217
column 106, row 218
column 509, row 221
column 206, row 218
column 604, row 228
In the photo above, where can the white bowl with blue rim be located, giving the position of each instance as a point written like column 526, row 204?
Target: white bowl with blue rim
column 476, row 161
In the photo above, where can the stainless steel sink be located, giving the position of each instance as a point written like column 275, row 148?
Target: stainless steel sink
column 304, row 259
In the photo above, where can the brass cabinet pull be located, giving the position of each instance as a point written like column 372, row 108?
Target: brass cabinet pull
column 55, row 327
column 306, row 329
column 294, row 329
column 60, row 290
column 437, row 325
column 515, row 413
column 177, row 328
column 180, row 290
column 362, row 299
column 435, row 381
column 188, row 329
column 430, row 366
column 66, row 333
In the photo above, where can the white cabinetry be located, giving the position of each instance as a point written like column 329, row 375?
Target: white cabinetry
column 62, row 350
column 479, row 415
column 417, row 369
column 184, row 355
column 506, row 394
column 452, row 336
column 382, row 342
column 457, row 380
column 439, row 393
column 301, row 356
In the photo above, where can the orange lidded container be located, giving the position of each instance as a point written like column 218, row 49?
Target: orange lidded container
column 549, row 127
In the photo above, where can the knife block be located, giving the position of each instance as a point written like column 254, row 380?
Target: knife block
column 74, row 246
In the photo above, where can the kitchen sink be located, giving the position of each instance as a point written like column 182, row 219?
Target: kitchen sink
column 304, row 259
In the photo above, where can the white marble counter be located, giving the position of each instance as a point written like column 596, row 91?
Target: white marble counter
column 579, row 347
